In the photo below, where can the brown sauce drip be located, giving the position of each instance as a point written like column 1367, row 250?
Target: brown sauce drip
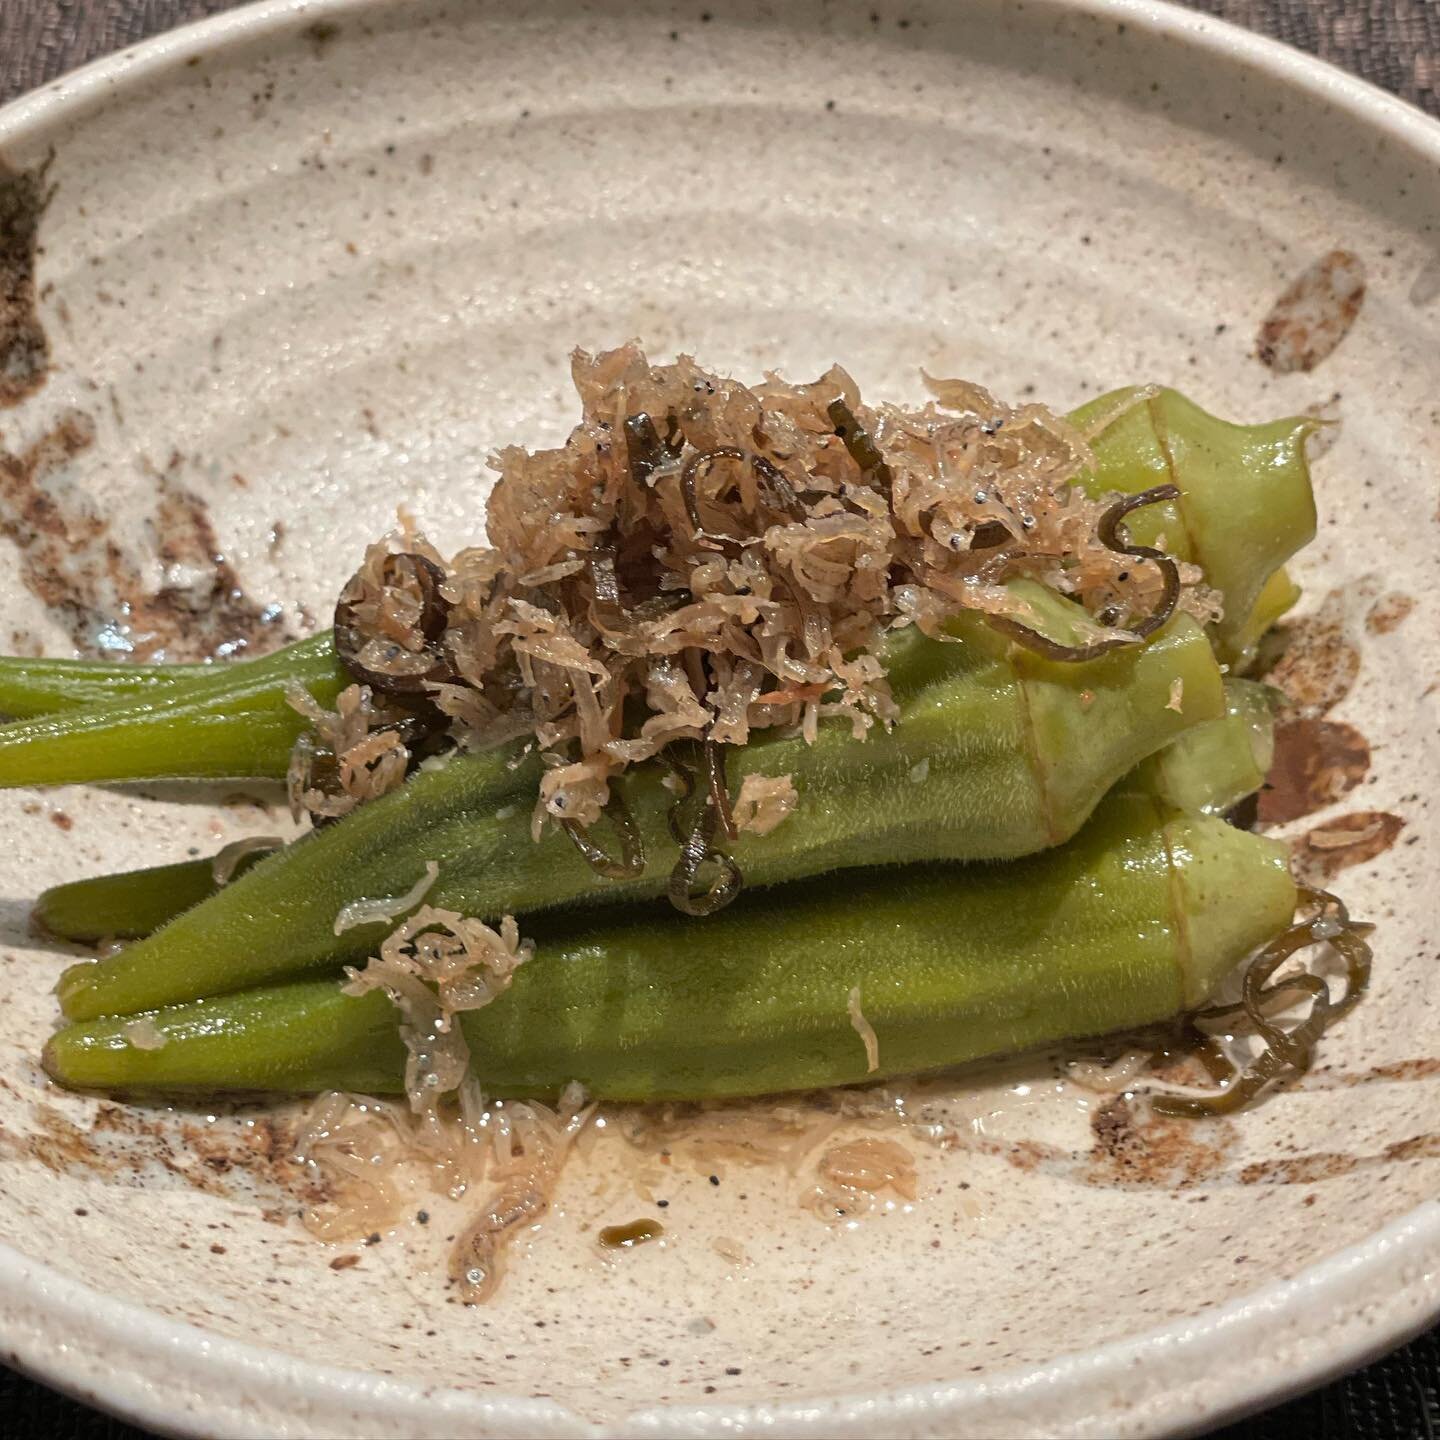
column 1314, row 314
column 1316, row 762
column 24, row 348
column 631, row 1234
column 1152, row 1152
column 1343, row 841
column 1388, row 611
column 71, row 561
column 1318, row 664
column 251, row 1150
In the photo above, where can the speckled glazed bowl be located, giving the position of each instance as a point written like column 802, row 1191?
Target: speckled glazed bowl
column 306, row 261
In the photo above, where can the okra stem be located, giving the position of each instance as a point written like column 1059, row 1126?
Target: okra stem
column 30, row 687
column 1135, row 920
column 41, row 687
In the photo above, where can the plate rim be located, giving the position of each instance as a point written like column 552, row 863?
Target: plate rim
column 46, row 1306
column 217, row 1370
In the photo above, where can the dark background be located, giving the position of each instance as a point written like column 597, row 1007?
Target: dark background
column 1394, row 43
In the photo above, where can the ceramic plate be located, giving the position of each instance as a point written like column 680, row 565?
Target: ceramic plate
column 307, row 261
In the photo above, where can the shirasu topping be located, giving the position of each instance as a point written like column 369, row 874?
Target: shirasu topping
column 702, row 560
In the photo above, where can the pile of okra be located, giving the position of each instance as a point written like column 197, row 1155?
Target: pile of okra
column 1035, row 850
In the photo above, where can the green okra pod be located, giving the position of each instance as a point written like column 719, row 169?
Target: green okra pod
column 129, row 904
column 1246, row 504
column 229, row 722
column 1135, row 920
column 1245, row 507
column 997, row 753
column 1208, row 769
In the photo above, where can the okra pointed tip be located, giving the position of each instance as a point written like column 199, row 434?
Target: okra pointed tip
column 64, row 1058
column 38, row 922
column 52, row 1061
column 75, row 991
column 89, row 1057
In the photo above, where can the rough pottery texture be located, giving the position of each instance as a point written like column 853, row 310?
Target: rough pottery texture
column 324, row 259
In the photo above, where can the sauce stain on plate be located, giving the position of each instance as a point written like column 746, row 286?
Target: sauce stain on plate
column 24, row 347
column 106, row 596
column 1314, row 314
column 1316, row 762
column 1345, row 841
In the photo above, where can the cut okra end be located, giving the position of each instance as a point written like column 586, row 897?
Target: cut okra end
column 1247, row 504
column 1215, row 765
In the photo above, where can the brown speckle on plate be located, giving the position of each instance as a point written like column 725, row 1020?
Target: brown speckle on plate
column 1316, row 762
column 1314, row 314
column 24, row 348
column 321, row 35
column 1388, row 612
column 1344, row 841
column 1319, row 664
